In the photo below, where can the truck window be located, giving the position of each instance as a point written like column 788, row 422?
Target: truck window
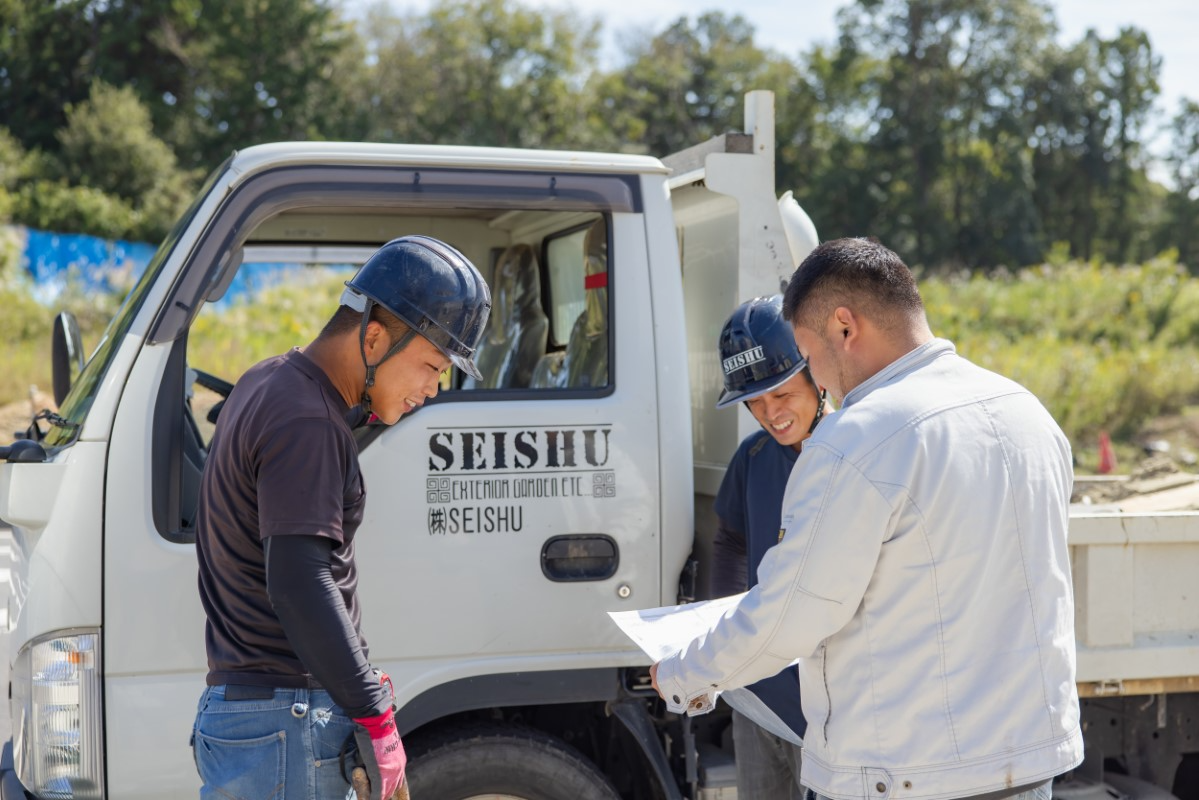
column 577, row 268
column 276, row 301
column 548, row 328
column 565, row 260
column 229, row 307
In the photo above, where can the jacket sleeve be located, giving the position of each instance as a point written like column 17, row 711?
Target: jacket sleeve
column 809, row 585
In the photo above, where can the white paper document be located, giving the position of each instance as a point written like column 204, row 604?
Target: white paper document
column 662, row 632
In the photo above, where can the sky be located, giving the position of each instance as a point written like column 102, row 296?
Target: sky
column 792, row 26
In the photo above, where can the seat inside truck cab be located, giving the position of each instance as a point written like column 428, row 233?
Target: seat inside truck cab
column 517, row 328
column 584, row 362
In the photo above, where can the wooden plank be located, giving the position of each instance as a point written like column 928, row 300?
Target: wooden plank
column 1189, row 683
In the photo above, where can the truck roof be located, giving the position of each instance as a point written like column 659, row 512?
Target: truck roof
column 264, row 156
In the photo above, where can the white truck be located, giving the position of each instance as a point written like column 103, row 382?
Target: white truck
column 505, row 518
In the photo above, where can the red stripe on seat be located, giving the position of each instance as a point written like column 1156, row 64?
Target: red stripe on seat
column 597, row 281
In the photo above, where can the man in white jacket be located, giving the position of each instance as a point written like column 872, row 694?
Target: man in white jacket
column 923, row 574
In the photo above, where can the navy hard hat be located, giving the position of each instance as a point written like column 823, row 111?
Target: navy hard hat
column 757, row 350
column 433, row 289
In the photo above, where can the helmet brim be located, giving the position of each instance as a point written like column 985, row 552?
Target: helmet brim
column 727, row 398
column 467, row 365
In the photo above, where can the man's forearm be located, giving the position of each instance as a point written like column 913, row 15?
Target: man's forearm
column 310, row 607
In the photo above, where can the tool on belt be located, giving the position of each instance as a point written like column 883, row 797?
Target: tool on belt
column 377, row 753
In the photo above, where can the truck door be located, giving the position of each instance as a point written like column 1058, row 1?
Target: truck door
column 504, row 520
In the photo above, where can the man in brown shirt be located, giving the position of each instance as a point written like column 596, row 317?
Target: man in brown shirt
column 280, row 501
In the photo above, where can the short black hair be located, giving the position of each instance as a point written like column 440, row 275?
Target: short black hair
column 346, row 319
column 852, row 272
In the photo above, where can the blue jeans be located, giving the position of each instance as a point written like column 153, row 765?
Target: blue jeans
column 282, row 748
column 767, row 766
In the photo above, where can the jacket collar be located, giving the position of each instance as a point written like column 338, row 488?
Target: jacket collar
column 913, row 360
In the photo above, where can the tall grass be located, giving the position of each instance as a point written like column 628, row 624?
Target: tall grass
column 1103, row 347
column 227, row 341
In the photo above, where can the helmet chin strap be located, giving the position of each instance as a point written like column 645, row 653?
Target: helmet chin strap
column 820, row 406
column 370, row 368
column 819, row 411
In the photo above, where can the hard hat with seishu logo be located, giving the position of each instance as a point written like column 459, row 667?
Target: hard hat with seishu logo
column 757, row 350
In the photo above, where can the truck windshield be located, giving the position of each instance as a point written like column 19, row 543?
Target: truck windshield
column 78, row 402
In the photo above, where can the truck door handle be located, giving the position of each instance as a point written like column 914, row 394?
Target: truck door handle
column 580, row 557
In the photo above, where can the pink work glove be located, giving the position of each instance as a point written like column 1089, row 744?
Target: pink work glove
column 382, row 753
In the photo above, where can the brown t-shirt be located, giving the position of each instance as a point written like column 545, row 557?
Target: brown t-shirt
column 283, row 462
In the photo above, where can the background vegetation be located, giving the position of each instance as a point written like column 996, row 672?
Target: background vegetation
column 960, row 132
column 1105, row 348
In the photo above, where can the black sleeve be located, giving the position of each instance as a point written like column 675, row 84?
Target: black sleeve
column 299, row 582
column 729, row 575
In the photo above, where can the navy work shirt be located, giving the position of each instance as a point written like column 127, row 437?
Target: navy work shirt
column 749, row 505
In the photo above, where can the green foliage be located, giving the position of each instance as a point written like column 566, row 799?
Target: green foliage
column 26, row 323
column 10, row 248
column 56, row 206
column 14, row 162
column 505, row 75
column 44, row 45
column 959, row 132
column 686, row 84
column 108, row 144
column 1104, row 347
column 1181, row 227
column 262, row 71
column 228, row 341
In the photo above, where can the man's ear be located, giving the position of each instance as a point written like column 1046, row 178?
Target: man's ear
column 376, row 338
column 845, row 327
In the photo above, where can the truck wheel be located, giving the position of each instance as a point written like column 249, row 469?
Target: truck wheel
column 493, row 762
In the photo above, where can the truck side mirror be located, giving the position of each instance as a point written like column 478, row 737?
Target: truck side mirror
column 66, row 354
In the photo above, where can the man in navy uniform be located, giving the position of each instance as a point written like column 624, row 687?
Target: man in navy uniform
column 763, row 369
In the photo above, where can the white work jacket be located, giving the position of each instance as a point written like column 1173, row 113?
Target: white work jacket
column 924, row 579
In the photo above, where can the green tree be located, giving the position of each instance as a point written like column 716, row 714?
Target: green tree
column 1182, row 226
column 1093, row 104
column 259, row 71
column 55, row 50
column 1129, row 72
column 108, row 144
column 45, row 48
column 14, row 162
column 947, row 139
column 213, row 76
column 822, row 132
column 686, row 84
column 482, row 72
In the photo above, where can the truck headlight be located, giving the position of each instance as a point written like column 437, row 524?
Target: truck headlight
column 57, row 716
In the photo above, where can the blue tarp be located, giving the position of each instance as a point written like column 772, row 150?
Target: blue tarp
column 102, row 265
